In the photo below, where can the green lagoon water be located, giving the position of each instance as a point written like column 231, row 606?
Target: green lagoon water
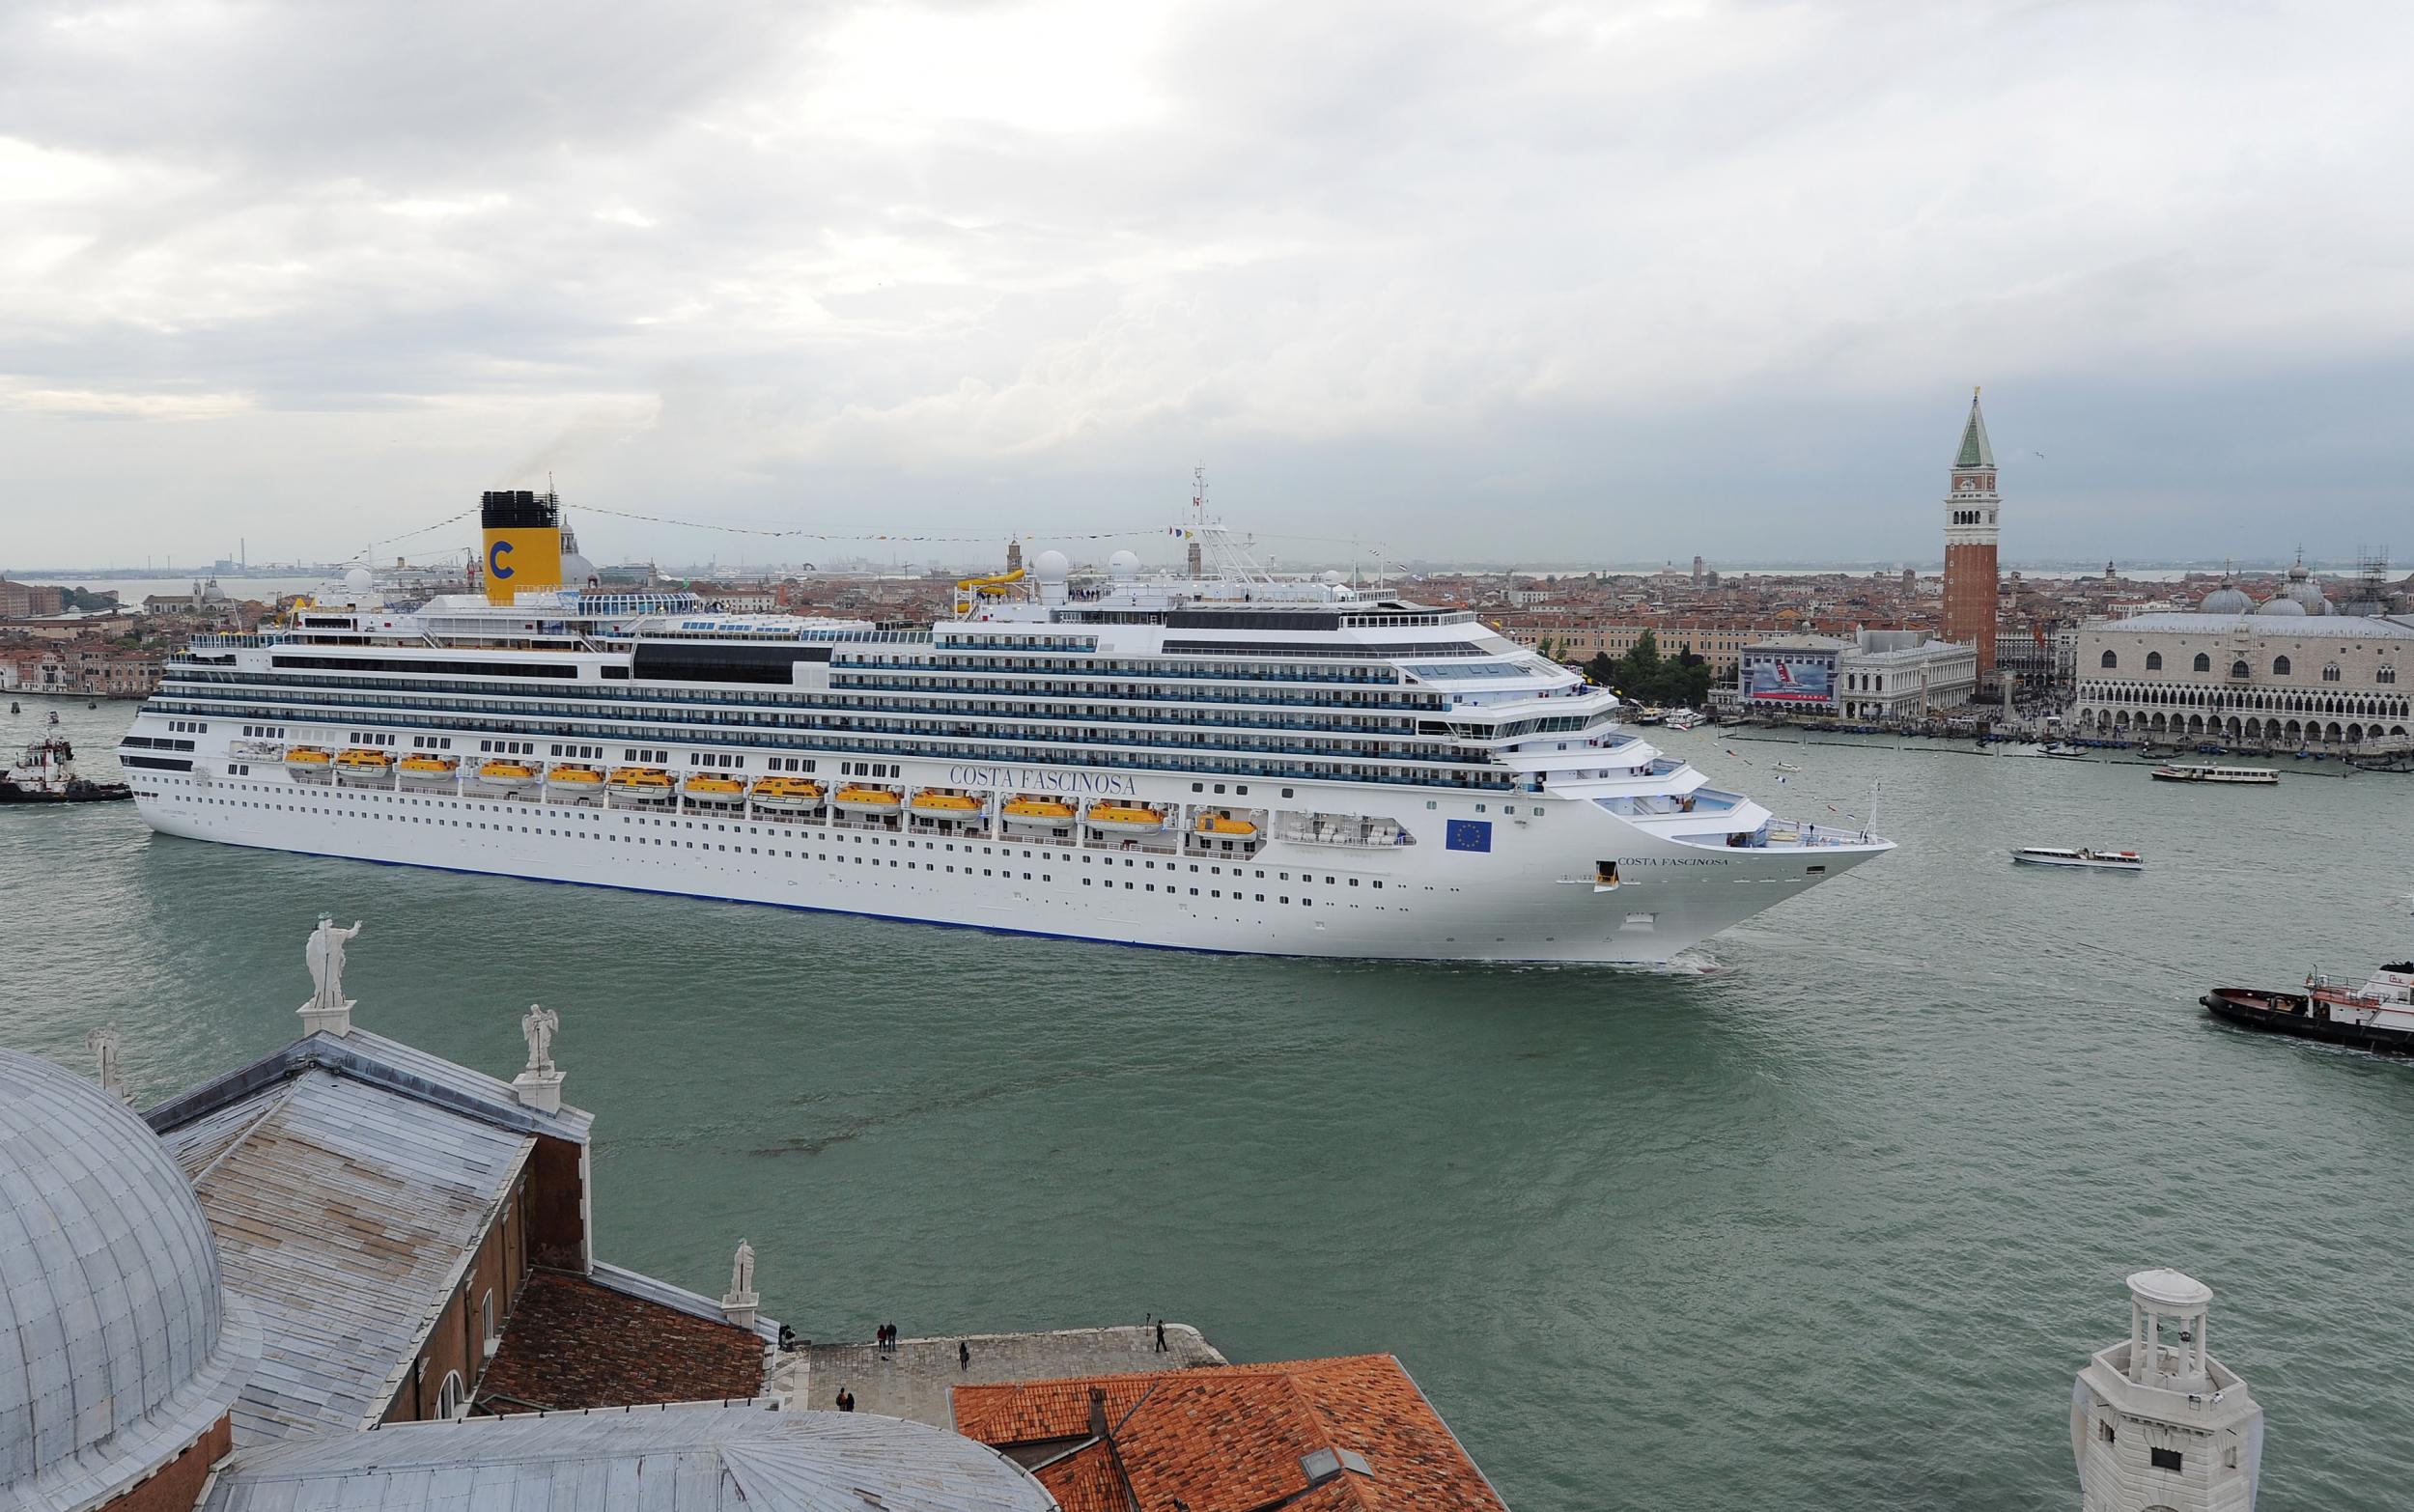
column 1829, row 1223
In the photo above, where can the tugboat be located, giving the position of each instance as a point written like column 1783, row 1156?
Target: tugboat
column 2378, row 1017
column 47, row 775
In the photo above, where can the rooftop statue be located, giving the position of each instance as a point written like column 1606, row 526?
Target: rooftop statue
column 325, row 955
column 537, row 1026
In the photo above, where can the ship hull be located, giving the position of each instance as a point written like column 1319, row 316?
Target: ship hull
column 2287, row 1013
column 1533, row 895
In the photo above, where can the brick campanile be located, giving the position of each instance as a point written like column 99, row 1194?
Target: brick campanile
column 1969, row 544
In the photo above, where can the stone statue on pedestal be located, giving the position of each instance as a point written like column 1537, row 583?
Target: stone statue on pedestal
column 538, row 1027
column 742, row 1270
column 325, row 955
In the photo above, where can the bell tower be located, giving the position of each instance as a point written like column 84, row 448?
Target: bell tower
column 1970, row 531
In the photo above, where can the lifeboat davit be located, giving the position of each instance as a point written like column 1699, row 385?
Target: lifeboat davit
column 931, row 803
column 574, row 781
column 787, row 794
column 508, row 777
column 857, row 800
column 429, row 769
column 1038, row 811
column 641, row 782
column 1125, row 819
column 1225, row 824
column 308, row 760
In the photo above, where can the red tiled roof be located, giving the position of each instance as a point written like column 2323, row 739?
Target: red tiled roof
column 1227, row 1438
column 572, row 1343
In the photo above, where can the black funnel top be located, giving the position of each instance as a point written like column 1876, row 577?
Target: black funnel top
column 519, row 509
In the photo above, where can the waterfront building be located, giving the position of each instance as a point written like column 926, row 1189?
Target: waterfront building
column 2156, row 1423
column 1879, row 675
column 1351, row 1433
column 22, row 601
column 1970, row 540
column 2278, row 679
column 1240, row 764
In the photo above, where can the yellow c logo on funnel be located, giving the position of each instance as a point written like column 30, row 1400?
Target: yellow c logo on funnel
column 528, row 558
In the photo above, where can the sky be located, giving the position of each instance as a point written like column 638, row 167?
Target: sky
column 1530, row 283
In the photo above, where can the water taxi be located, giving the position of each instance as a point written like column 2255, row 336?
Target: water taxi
column 2244, row 776
column 508, row 777
column 2096, row 860
column 856, row 798
column 308, row 760
column 1125, row 819
column 939, row 803
column 640, row 782
column 787, row 794
column 1684, row 719
column 1223, row 823
column 1027, row 810
column 570, row 780
column 2378, row 1017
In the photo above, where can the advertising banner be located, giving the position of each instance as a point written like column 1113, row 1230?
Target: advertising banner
column 1807, row 677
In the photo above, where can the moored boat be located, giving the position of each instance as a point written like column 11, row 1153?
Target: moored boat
column 2380, row 1016
column 2084, row 856
column 1125, row 819
column 2244, row 776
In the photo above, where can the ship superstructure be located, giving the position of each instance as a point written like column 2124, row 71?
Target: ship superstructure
column 1218, row 761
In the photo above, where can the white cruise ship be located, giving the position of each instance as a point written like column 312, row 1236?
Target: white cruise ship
column 1216, row 760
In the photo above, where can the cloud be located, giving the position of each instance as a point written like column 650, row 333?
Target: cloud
column 1632, row 280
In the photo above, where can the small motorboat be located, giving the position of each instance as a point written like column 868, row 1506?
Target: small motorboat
column 507, row 776
column 1786, row 765
column 2090, row 859
column 2377, row 1016
column 2244, row 776
column 787, row 794
column 2064, row 751
column 1029, row 810
column 1125, row 819
column 1683, row 719
column 856, row 798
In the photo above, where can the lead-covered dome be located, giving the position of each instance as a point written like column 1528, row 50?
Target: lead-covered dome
column 116, row 1348
column 2228, row 598
column 2282, row 606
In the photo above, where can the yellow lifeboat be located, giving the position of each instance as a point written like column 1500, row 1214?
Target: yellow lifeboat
column 1225, row 824
column 363, row 763
column 1038, row 811
column 931, row 803
column 855, row 798
column 308, row 759
column 572, row 781
column 787, row 794
column 641, row 782
column 1125, row 819
column 712, row 788
column 510, row 777
column 423, row 768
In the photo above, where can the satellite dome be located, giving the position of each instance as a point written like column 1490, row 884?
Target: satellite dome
column 1123, row 567
column 1051, row 567
column 2228, row 598
column 121, row 1347
column 2283, row 607
column 358, row 580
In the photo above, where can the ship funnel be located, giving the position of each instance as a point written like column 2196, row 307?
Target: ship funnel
column 523, row 542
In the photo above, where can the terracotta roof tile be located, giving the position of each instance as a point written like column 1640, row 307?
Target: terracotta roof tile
column 574, row 1344
column 1228, row 1438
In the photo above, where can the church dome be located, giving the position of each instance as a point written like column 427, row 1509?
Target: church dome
column 122, row 1349
column 2282, row 606
column 2304, row 592
column 2228, row 598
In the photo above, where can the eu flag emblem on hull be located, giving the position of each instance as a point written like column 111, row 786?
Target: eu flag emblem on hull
column 1468, row 834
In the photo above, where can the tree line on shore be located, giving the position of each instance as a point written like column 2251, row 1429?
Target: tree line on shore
column 1642, row 675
